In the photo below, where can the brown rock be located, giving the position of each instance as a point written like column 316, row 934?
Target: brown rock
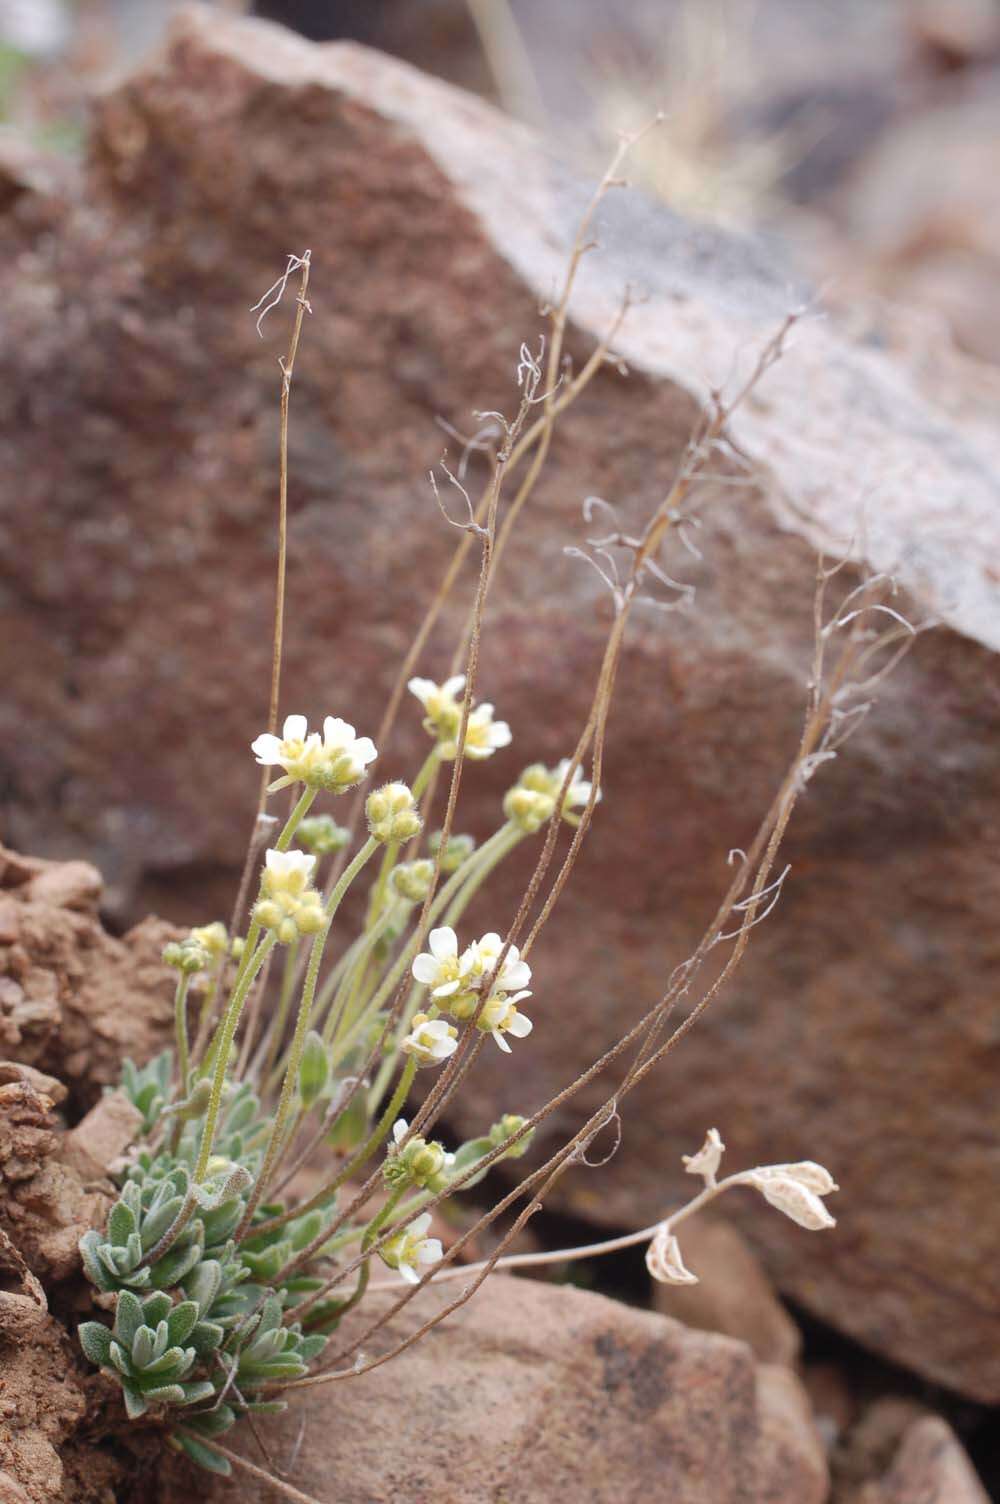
column 734, row 1295
column 931, row 1467
column 139, row 441
column 101, row 1137
column 535, row 1393
column 73, row 999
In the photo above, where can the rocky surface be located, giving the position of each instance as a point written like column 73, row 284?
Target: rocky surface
column 534, row 1393
column 930, row 1468
column 733, row 1296
column 138, row 429
column 74, row 1000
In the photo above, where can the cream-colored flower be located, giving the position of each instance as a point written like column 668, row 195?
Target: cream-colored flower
column 500, row 1016
column 212, row 937
column 392, row 813
column 533, row 799
column 430, row 1040
column 335, row 761
column 708, row 1158
column 411, row 1250
column 443, row 719
column 441, row 968
column 480, row 959
column 664, row 1262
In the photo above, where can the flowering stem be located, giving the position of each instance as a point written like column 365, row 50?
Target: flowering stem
column 288, row 1085
column 371, row 1232
column 475, row 873
column 281, row 844
column 181, row 1032
column 582, row 1250
column 223, row 1046
column 277, row 1026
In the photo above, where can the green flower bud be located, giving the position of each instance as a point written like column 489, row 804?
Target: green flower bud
column 457, row 851
column 213, row 938
column 529, row 809
column 314, row 1069
column 321, row 835
column 186, row 956
column 412, row 880
column 392, row 813
column 509, row 1124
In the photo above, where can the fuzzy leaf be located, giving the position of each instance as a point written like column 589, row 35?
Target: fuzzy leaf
column 93, row 1266
column 205, row 1337
column 181, row 1322
column 172, row 1268
column 158, row 1219
column 142, row 1347
column 129, row 1317
column 156, row 1308
column 121, row 1223
column 213, row 1422
column 203, row 1285
column 201, row 1454
column 195, row 1392
column 165, row 1394
column 95, row 1339
column 173, row 1365
column 135, row 1403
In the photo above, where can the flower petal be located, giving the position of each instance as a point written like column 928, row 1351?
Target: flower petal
column 501, row 1041
column 295, row 728
column 443, row 943
column 267, row 750
column 425, row 969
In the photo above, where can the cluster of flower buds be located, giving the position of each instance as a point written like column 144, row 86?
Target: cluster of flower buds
column 457, row 850
column 289, row 904
column 411, row 881
column 392, row 813
column 457, row 982
column 321, row 835
column 417, row 1162
column 508, row 1125
column 412, row 1248
column 532, row 801
column 334, row 761
column 186, row 956
column 443, row 719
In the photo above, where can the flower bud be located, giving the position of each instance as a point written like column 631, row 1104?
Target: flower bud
column 321, row 835
column 510, row 1124
column 392, row 813
column 457, row 851
column 412, row 880
column 212, row 937
column 793, row 1198
column 314, row 1069
column 185, row 956
column 529, row 809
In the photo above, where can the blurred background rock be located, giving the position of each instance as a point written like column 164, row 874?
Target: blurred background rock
column 864, row 131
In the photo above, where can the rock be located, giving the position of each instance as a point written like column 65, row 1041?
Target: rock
column 734, row 1295
column 139, row 435
column 534, row 1392
column 102, row 1136
column 73, row 999
column 916, row 202
column 931, row 1467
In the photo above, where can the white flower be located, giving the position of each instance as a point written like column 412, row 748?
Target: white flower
column 579, row 789
column 479, row 960
column 335, row 761
column 500, row 1016
column 288, row 871
column 664, row 1262
column 533, row 799
column 441, row 968
column 483, row 736
column 440, row 701
column 400, row 1128
column 410, row 1249
column 706, row 1162
column 443, row 704
column 796, row 1190
column 430, row 1040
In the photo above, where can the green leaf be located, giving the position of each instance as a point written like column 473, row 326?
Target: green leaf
column 314, row 1069
column 310, row 1347
column 135, row 1403
column 172, row 1268
column 95, row 1339
column 121, row 1223
column 129, row 1317
column 156, row 1308
column 158, row 1220
column 203, row 1285
column 142, row 1347
column 175, row 1364
column 205, row 1337
column 195, row 1392
column 181, row 1322
column 201, row 1454
column 213, row 1422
